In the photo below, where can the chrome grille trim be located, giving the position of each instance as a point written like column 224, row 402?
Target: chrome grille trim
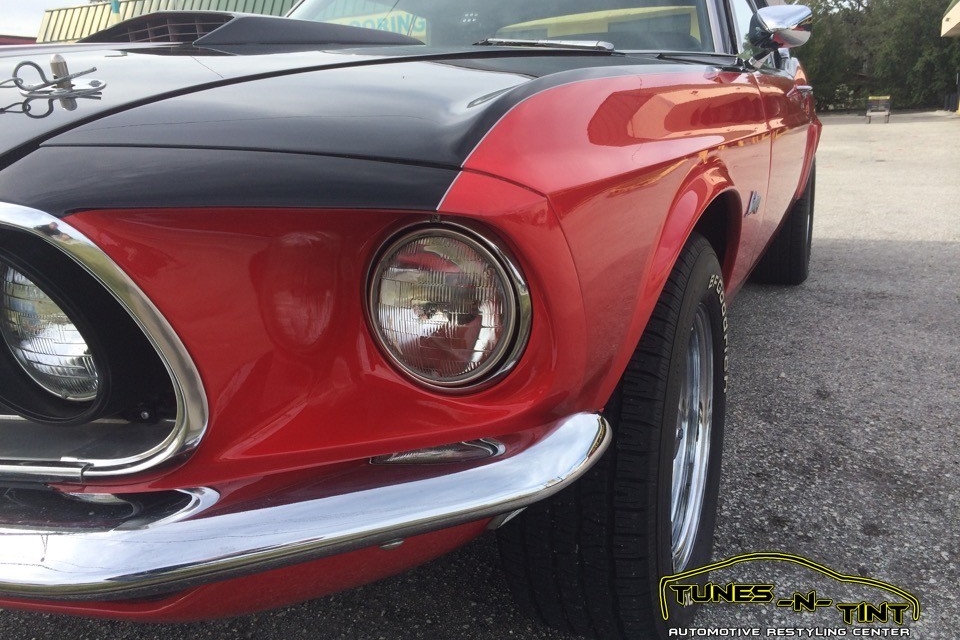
column 192, row 410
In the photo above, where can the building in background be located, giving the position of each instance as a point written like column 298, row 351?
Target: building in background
column 951, row 21
column 951, row 29
column 73, row 23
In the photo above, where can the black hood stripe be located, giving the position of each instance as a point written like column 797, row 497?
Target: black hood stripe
column 134, row 178
column 373, row 135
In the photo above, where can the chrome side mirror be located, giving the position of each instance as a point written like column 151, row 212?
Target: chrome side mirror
column 777, row 27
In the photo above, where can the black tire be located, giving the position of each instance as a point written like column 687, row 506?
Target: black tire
column 787, row 258
column 589, row 559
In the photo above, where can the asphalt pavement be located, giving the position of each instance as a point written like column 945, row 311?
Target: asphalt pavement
column 842, row 430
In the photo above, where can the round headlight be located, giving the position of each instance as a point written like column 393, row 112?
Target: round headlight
column 448, row 308
column 44, row 340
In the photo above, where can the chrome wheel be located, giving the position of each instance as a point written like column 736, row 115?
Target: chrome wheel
column 692, row 451
column 590, row 560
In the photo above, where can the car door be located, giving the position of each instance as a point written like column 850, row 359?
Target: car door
column 787, row 104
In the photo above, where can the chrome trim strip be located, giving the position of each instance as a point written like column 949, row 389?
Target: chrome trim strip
column 192, row 413
column 195, row 501
column 43, row 473
column 590, row 45
column 163, row 557
column 717, row 31
column 201, row 499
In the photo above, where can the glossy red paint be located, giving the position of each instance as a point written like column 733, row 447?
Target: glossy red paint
column 274, row 312
column 649, row 155
column 293, row 376
column 274, row 319
column 270, row 589
column 788, row 112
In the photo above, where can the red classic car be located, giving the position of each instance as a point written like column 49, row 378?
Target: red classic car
column 292, row 304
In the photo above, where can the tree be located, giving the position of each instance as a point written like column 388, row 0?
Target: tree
column 835, row 57
column 909, row 58
column 860, row 47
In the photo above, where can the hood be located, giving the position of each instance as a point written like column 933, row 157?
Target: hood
column 244, row 123
column 164, row 54
column 131, row 75
column 259, row 82
column 400, row 102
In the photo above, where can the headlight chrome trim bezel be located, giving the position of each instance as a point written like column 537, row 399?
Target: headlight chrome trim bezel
column 516, row 288
column 192, row 412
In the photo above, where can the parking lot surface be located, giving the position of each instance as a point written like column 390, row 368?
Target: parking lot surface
column 841, row 434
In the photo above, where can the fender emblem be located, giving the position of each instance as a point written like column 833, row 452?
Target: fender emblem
column 753, row 207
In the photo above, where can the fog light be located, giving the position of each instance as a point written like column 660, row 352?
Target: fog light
column 448, row 308
column 44, row 340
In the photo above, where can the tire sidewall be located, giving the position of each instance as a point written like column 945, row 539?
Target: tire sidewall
column 807, row 202
column 704, row 286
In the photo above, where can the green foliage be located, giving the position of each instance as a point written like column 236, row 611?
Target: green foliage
column 864, row 47
column 832, row 59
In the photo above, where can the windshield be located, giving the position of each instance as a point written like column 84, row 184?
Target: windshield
column 660, row 25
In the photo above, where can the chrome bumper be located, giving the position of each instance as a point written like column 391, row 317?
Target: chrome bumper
column 162, row 552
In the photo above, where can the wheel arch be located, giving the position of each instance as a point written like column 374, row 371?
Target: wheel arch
column 720, row 225
column 706, row 203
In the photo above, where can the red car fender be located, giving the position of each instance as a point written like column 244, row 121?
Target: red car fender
column 544, row 258
column 310, row 387
column 629, row 164
column 701, row 188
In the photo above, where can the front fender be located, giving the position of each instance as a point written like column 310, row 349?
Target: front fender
column 629, row 164
column 706, row 185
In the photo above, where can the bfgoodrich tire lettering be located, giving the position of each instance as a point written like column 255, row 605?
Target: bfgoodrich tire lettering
column 589, row 559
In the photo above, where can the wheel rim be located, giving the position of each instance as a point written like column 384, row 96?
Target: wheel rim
column 692, row 450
